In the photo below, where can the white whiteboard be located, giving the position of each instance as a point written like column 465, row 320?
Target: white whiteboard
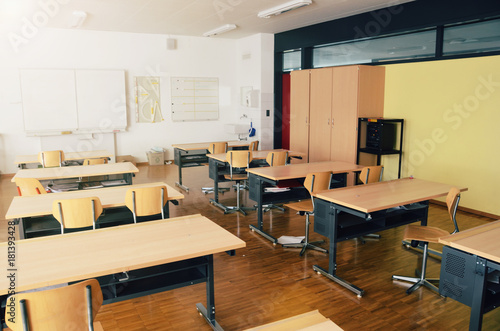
column 75, row 100
column 195, row 98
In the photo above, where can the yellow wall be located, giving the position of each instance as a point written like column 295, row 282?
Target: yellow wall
column 452, row 125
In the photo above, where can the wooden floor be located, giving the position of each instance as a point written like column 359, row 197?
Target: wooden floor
column 265, row 283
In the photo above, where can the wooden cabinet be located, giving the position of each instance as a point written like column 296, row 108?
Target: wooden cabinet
column 328, row 102
column 299, row 111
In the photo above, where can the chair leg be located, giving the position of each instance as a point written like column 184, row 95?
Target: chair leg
column 305, row 244
column 238, row 207
column 421, row 280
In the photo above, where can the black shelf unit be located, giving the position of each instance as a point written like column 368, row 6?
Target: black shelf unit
column 386, row 141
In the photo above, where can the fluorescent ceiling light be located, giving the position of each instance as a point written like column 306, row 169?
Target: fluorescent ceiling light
column 220, row 29
column 283, row 8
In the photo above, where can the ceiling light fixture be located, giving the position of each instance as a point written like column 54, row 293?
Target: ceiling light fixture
column 77, row 19
column 283, row 8
column 220, row 29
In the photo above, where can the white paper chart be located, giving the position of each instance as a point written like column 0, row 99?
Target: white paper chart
column 195, row 98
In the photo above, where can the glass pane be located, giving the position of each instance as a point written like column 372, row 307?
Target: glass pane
column 472, row 38
column 292, row 60
column 400, row 47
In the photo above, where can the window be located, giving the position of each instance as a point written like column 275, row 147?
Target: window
column 472, row 38
column 292, row 60
column 397, row 47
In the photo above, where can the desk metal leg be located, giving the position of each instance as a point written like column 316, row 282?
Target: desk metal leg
column 209, row 312
column 476, row 313
column 20, row 226
column 178, row 159
column 128, row 178
column 332, row 260
column 259, row 228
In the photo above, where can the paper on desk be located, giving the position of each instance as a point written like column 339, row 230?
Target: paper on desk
column 276, row 189
column 290, row 240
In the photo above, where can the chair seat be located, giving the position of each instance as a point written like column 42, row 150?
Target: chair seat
column 304, row 205
column 424, row 233
column 237, row 177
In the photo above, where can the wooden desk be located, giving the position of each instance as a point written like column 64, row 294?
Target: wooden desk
column 23, row 160
column 468, row 258
column 218, row 166
column 195, row 154
column 126, row 169
column 370, row 208
column 176, row 252
column 260, row 178
column 41, row 205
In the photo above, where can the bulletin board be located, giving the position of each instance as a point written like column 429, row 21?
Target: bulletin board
column 73, row 101
column 195, row 98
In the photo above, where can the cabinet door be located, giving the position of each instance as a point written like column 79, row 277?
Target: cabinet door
column 320, row 112
column 344, row 113
column 299, row 111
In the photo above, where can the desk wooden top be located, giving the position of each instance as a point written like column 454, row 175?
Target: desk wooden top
column 25, row 159
column 257, row 155
column 301, row 170
column 383, row 195
column 41, row 205
column 481, row 241
column 77, row 171
column 52, row 260
column 197, row 146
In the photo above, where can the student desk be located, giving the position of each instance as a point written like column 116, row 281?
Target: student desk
column 41, row 205
column 260, row 178
column 470, row 270
column 354, row 211
column 152, row 257
column 126, row 169
column 23, row 160
column 195, row 154
column 218, row 166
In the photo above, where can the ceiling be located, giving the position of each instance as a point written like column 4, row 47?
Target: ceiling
column 178, row 17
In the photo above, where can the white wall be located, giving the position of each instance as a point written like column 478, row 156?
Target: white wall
column 256, row 69
column 138, row 55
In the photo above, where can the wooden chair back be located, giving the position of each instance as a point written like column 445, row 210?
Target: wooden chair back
column 71, row 307
column 275, row 159
column 452, row 200
column 77, row 213
column 146, row 201
column 218, row 148
column 371, row 174
column 254, row 145
column 51, row 158
column 318, row 181
column 238, row 159
column 102, row 160
column 29, row 186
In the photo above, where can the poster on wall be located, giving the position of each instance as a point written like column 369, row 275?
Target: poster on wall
column 195, row 98
column 147, row 99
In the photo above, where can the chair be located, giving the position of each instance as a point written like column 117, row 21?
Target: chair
column 51, row 158
column 69, row 307
column 238, row 162
column 95, row 161
column 426, row 235
column 254, row 146
column 371, row 174
column 146, row 201
column 29, row 186
column 77, row 213
column 216, row 148
column 314, row 182
column 275, row 159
